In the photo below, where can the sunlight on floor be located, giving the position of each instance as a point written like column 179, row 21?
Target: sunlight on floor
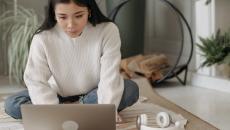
column 210, row 105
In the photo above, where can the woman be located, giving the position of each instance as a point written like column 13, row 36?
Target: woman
column 74, row 54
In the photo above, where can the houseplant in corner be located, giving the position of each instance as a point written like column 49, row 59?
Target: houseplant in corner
column 216, row 51
column 19, row 25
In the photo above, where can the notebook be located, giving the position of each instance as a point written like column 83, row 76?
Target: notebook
column 69, row 117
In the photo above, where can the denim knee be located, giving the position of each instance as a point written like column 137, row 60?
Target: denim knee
column 11, row 108
column 130, row 94
column 13, row 103
column 132, row 88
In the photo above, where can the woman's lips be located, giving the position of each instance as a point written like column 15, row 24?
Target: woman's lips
column 72, row 32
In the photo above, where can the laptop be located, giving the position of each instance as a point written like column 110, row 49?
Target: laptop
column 69, row 117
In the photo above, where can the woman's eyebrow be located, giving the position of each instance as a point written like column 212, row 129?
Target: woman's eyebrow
column 80, row 12
column 60, row 14
column 74, row 13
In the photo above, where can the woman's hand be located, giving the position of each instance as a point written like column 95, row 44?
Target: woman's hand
column 118, row 118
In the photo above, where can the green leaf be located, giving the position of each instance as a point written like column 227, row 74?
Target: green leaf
column 215, row 49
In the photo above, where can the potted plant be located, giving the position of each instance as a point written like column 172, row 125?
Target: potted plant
column 19, row 26
column 216, row 50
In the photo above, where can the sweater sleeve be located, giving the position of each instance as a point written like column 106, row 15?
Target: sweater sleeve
column 111, row 85
column 37, row 74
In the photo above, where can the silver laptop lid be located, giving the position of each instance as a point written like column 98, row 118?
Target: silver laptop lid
column 69, row 117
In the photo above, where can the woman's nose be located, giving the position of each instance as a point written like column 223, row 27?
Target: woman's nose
column 70, row 23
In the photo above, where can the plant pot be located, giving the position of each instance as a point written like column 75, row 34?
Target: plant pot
column 223, row 71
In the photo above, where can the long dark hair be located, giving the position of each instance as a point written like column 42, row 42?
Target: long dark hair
column 96, row 15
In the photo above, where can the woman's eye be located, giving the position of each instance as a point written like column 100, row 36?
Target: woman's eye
column 78, row 16
column 62, row 18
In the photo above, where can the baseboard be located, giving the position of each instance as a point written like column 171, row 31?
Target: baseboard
column 199, row 80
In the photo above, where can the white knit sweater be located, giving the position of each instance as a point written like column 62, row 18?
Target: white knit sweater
column 74, row 66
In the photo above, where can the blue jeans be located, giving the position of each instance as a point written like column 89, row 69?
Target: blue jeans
column 129, row 97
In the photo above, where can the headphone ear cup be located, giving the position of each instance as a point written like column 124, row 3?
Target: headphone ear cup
column 143, row 119
column 163, row 119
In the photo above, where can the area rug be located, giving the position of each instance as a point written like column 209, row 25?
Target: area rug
column 128, row 115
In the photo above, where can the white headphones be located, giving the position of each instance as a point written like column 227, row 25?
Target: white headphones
column 164, row 121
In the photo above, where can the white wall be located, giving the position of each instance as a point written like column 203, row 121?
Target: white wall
column 205, row 27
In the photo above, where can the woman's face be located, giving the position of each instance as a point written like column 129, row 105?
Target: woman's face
column 71, row 17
